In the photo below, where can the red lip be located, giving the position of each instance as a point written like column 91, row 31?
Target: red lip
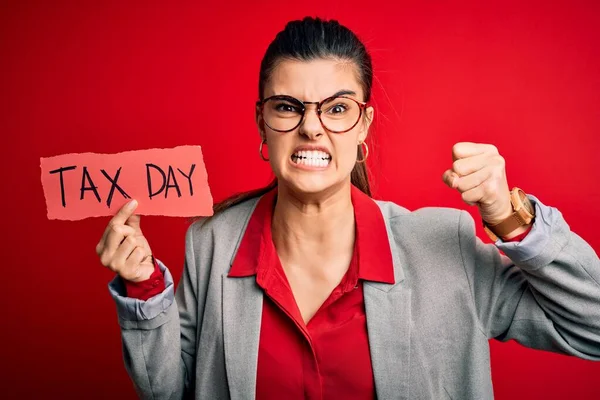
column 312, row 148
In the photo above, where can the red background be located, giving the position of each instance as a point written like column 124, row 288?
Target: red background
column 109, row 77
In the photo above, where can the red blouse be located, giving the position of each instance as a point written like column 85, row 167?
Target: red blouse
column 328, row 357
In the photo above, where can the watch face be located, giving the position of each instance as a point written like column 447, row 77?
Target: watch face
column 527, row 205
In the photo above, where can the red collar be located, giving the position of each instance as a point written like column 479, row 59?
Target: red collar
column 372, row 243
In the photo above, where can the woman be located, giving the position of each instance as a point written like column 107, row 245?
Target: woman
column 311, row 289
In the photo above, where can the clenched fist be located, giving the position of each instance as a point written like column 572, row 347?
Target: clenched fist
column 478, row 173
column 123, row 248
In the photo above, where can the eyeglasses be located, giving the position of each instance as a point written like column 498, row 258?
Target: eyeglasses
column 338, row 114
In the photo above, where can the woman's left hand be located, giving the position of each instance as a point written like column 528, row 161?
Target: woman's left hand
column 478, row 173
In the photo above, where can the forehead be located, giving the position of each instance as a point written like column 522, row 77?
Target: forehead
column 313, row 80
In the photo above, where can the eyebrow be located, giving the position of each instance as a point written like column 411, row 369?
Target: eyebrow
column 342, row 92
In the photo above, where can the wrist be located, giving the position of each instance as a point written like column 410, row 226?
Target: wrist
column 517, row 223
column 499, row 216
column 146, row 272
column 150, row 287
column 517, row 232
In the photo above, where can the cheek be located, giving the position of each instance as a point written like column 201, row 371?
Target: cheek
column 279, row 148
column 346, row 154
column 278, row 151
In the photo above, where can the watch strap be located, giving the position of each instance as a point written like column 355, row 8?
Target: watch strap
column 508, row 225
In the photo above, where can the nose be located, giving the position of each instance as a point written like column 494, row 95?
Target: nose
column 311, row 126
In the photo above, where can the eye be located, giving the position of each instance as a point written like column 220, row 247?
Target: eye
column 337, row 109
column 340, row 108
column 286, row 108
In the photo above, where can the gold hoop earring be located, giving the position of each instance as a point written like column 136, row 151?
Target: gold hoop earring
column 260, row 150
column 366, row 153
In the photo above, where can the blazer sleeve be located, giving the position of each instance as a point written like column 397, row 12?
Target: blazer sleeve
column 544, row 292
column 159, row 334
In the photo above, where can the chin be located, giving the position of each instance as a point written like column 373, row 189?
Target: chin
column 309, row 181
column 310, row 185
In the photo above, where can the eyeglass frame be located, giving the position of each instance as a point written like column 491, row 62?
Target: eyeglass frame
column 362, row 105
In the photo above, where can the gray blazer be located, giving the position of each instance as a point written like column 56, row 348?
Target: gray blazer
column 428, row 332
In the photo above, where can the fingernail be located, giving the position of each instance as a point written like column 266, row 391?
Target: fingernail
column 454, row 181
column 132, row 204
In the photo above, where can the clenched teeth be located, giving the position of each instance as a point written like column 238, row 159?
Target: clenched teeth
column 312, row 158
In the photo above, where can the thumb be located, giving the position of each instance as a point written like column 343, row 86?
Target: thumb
column 134, row 222
column 450, row 178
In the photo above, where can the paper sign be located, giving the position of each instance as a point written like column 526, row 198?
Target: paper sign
column 171, row 182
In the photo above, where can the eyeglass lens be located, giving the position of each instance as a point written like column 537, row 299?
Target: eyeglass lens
column 338, row 114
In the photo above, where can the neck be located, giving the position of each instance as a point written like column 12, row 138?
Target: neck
column 318, row 225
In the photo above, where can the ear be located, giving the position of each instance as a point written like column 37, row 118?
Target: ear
column 260, row 123
column 369, row 114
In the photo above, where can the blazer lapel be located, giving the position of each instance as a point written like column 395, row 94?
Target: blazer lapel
column 388, row 324
column 242, row 304
column 388, row 311
column 242, row 313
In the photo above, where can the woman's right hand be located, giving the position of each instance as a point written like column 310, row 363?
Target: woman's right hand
column 123, row 248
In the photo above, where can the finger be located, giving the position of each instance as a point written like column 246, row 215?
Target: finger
column 112, row 233
column 116, row 236
column 124, row 213
column 134, row 222
column 118, row 219
column 469, row 165
column 137, row 256
column 131, row 269
column 450, row 178
column 473, row 196
column 466, row 183
column 481, row 194
column 469, row 149
column 118, row 259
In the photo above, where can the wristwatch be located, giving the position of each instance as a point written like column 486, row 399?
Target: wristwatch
column 524, row 213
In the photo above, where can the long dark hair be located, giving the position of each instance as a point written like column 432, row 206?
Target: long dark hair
column 305, row 40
